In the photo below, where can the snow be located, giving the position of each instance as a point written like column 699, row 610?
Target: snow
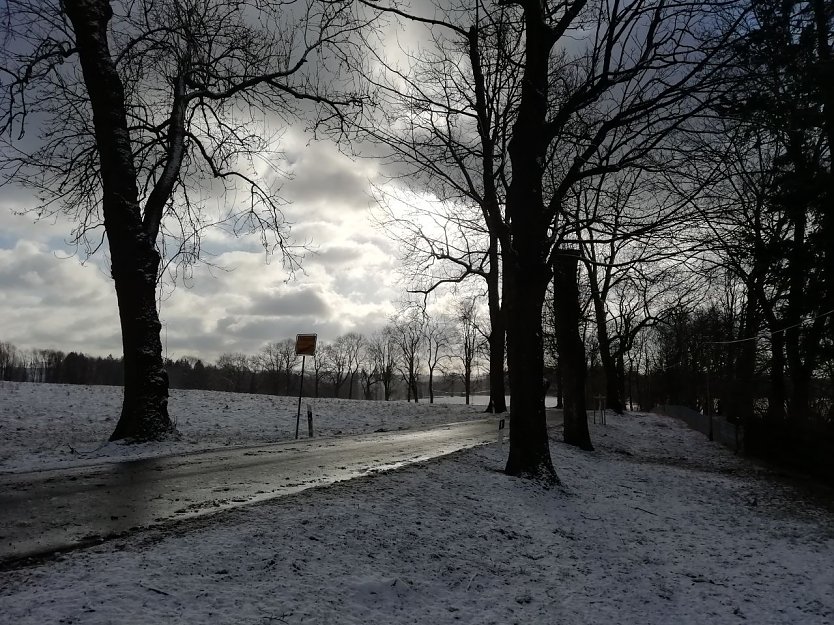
column 61, row 425
column 658, row 525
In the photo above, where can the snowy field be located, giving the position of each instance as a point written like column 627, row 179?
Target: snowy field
column 58, row 425
column 658, row 526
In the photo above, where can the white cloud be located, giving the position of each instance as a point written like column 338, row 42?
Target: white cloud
column 349, row 282
column 53, row 301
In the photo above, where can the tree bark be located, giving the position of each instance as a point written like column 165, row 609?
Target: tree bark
column 134, row 259
column 571, row 349
column 560, row 396
column 431, row 386
column 745, row 369
column 467, row 382
column 497, row 334
column 609, row 365
column 529, row 447
column 776, row 397
column 527, row 270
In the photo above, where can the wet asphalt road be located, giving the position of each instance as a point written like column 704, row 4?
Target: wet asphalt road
column 46, row 511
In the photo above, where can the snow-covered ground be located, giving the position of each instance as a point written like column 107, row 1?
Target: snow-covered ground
column 59, row 425
column 656, row 526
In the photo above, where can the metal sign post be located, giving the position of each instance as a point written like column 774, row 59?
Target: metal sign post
column 300, row 389
column 305, row 345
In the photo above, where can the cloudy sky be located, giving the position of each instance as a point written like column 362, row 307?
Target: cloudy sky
column 52, row 297
column 349, row 282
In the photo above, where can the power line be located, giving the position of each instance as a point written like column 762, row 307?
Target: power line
column 760, row 335
column 768, row 334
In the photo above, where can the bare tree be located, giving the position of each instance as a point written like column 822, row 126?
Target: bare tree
column 447, row 119
column 583, row 110
column 407, row 332
column 353, row 344
column 319, row 362
column 437, row 342
column 10, row 361
column 235, row 367
column 337, row 365
column 287, row 360
column 143, row 106
column 631, row 245
column 467, row 341
column 267, row 360
column 382, row 351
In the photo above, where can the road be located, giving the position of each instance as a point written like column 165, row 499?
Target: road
column 46, row 511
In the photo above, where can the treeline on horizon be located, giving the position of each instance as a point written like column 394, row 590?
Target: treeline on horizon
column 351, row 367
column 687, row 358
column 236, row 373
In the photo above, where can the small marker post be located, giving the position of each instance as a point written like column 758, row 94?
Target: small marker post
column 501, row 424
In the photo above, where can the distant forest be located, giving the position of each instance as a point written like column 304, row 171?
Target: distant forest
column 233, row 372
column 685, row 359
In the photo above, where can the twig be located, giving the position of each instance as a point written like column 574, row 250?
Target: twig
column 156, row 590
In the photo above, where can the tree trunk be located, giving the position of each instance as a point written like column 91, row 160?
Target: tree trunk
column 609, row 366
column 134, row 259
column 745, row 369
column 571, row 349
column 413, row 381
column 621, row 379
column 776, row 397
column 526, row 269
column 497, row 335
column 560, row 396
column 529, row 447
column 431, row 386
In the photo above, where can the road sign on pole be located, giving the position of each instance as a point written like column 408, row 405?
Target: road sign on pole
column 305, row 345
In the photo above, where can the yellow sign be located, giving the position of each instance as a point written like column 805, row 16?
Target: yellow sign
column 305, row 344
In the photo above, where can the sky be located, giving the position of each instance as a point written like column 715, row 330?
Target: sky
column 53, row 297
column 348, row 282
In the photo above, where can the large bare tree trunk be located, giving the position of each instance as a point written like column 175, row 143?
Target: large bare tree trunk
column 526, row 269
column 135, row 261
column 571, row 349
column 529, row 447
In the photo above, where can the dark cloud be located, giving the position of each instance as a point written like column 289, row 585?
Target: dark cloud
column 323, row 180
column 301, row 302
column 337, row 255
column 248, row 334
